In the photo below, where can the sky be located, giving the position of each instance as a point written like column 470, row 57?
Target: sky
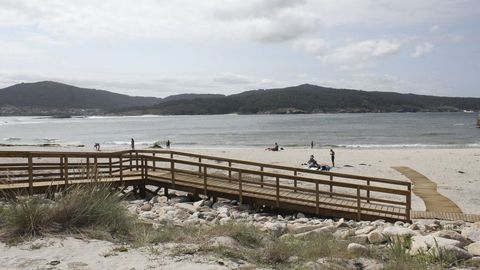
column 164, row 47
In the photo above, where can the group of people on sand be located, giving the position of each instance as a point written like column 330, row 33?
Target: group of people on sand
column 313, row 164
column 132, row 144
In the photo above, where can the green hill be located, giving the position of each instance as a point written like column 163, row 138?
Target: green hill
column 308, row 99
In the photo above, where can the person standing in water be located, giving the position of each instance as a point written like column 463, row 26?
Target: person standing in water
column 132, row 144
column 332, row 155
column 168, row 144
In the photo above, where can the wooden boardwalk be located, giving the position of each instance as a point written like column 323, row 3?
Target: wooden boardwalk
column 320, row 193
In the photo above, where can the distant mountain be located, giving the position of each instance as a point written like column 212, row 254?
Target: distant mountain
column 48, row 95
column 307, row 98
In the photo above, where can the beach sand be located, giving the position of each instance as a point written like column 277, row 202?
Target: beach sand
column 456, row 171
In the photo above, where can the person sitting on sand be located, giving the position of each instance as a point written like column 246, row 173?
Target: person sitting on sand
column 312, row 163
column 274, row 148
column 97, row 146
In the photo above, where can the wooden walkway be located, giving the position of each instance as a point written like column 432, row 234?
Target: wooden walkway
column 280, row 187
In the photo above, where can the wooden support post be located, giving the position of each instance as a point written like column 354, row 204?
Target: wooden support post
column 240, row 196
column 368, row 191
column 171, row 155
column 278, row 191
column 359, row 206
column 142, row 169
column 154, row 163
column 62, row 174
column 331, row 186
column 30, row 174
column 120, row 160
column 230, row 171
column 131, row 162
column 205, row 180
column 136, row 161
column 110, row 166
column 261, row 177
column 295, row 181
column 66, row 169
column 165, row 191
column 172, row 170
column 317, row 198
column 88, row 168
column 141, row 187
column 199, row 166
column 408, row 210
column 95, row 161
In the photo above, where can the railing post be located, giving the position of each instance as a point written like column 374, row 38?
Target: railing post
column 368, row 191
column 136, row 161
column 331, row 186
column 261, row 177
column 240, row 187
column 88, row 167
column 154, row 163
column 110, row 166
column 199, row 166
column 120, row 160
column 295, row 181
column 95, row 161
column 30, row 174
column 142, row 169
column 172, row 170
column 230, row 171
column 205, row 180
column 409, row 203
column 131, row 161
column 62, row 174
column 66, row 169
column 317, row 198
column 359, row 206
column 278, row 191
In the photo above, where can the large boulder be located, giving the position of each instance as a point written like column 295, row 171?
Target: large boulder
column 449, row 234
column 395, row 233
column 376, row 237
column 357, row 249
column 364, row 230
column 472, row 233
column 225, row 241
column 300, row 228
column 474, row 248
column 449, row 250
column 277, row 228
column 186, row 207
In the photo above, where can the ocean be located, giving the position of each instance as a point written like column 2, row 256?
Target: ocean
column 372, row 130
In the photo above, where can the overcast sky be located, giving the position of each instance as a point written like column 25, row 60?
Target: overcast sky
column 164, row 47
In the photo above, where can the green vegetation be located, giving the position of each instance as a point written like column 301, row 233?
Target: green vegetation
column 307, row 99
column 96, row 211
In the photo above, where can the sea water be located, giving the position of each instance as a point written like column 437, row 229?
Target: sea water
column 371, row 130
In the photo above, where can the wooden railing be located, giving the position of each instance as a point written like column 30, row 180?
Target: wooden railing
column 243, row 178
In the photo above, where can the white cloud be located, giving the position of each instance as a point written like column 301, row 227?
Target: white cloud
column 457, row 38
column 361, row 54
column 422, row 49
column 314, row 46
column 434, row 28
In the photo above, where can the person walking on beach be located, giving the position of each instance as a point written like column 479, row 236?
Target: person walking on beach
column 168, row 144
column 132, row 143
column 97, row 146
column 332, row 155
column 311, row 145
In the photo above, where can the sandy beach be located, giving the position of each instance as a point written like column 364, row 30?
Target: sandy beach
column 456, row 171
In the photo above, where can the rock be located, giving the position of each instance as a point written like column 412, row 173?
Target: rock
column 277, row 228
column 418, row 245
column 357, row 249
column 457, row 252
column 302, row 228
column 361, row 238
column 472, row 233
column 398, row 223
column 433, row 241
column 344, row 234
column 414, row 227
column 159, row 199
column 146, row 207
column 300, row 215
column 476, row 225
column 376, row 237
column 187, row 207
column 342, row 224
column 224, row 220
column 148, row 215
column 180, row 199
column 397, row 232
column 223, row 212
column 198, row 204
column 474, row 248
column 365, row 230
column 449, row 234
column 225, row 241
column 323, row 230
